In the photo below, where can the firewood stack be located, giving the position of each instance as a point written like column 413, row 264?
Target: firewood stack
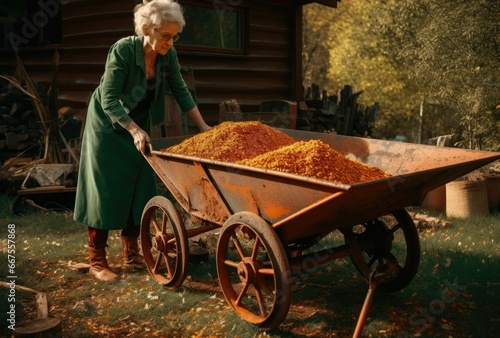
column 19, row 129
column 339, row 114
column 32, row 140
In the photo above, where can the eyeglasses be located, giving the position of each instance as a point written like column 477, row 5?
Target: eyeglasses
column 168, row 37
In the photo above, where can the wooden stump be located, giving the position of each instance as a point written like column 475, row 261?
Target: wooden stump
column 40, row 328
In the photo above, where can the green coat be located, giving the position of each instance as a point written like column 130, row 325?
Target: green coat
column 114, row 178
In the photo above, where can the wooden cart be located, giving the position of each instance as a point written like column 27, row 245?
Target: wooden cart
column 269, row 221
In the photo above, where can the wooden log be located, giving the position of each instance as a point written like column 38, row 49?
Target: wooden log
column 40, row 328
column 41, row 299
column 11, row 140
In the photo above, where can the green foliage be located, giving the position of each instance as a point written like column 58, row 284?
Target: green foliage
column 359, row 56
column 452, row 51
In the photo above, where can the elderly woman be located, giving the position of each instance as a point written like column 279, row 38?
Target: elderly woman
column 114, row 179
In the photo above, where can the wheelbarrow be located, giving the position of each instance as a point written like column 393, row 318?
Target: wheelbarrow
column 270, row 221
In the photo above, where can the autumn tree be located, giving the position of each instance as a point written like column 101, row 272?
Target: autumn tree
column 361, row 57
column 452, row 51
column 315, row 55
column 421, row 56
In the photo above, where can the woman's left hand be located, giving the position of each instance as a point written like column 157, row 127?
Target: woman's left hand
column 140, row 136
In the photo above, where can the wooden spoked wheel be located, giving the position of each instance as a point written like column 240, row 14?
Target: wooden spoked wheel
column 253, row 269
column 391, row 240
column 164, row 242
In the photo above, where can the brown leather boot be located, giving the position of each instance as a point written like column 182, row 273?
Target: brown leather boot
column 99, row 267
column 130, row 252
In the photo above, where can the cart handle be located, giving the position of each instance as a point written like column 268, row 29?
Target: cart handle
column 148, row 148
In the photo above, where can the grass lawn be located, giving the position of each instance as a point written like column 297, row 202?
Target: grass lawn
column 454, row 294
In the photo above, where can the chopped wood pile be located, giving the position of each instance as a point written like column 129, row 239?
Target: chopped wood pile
column 274, row 113
column 39, row 141
column 426, row 223
column 339, row 114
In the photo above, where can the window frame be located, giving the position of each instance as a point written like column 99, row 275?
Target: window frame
column 218, row 5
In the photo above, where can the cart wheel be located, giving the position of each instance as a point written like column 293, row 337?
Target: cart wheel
column 164, row 242
column 387, row 240
column 253, row 269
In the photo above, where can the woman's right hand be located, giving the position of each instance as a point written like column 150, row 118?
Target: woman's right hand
column 140, row 136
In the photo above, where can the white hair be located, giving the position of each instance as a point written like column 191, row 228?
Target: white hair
column 153, row 14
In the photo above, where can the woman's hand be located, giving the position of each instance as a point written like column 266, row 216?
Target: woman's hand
column 195, row 115
column 205, row 127
column 140, row 136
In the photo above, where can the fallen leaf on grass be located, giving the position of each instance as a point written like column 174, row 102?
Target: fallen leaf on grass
column 447, row 327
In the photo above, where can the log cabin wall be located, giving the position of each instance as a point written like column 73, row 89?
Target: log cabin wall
column 89, row 28
column 269, row 69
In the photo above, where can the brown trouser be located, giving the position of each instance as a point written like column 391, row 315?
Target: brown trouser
column 98, row 238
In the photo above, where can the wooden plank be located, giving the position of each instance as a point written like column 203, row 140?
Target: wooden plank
column 329, row 3
column 46, row 189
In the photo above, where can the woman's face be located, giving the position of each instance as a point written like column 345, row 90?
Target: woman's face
column 161, row 39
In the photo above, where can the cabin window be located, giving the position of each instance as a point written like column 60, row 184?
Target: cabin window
column 216, row 27
column 27, row 23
